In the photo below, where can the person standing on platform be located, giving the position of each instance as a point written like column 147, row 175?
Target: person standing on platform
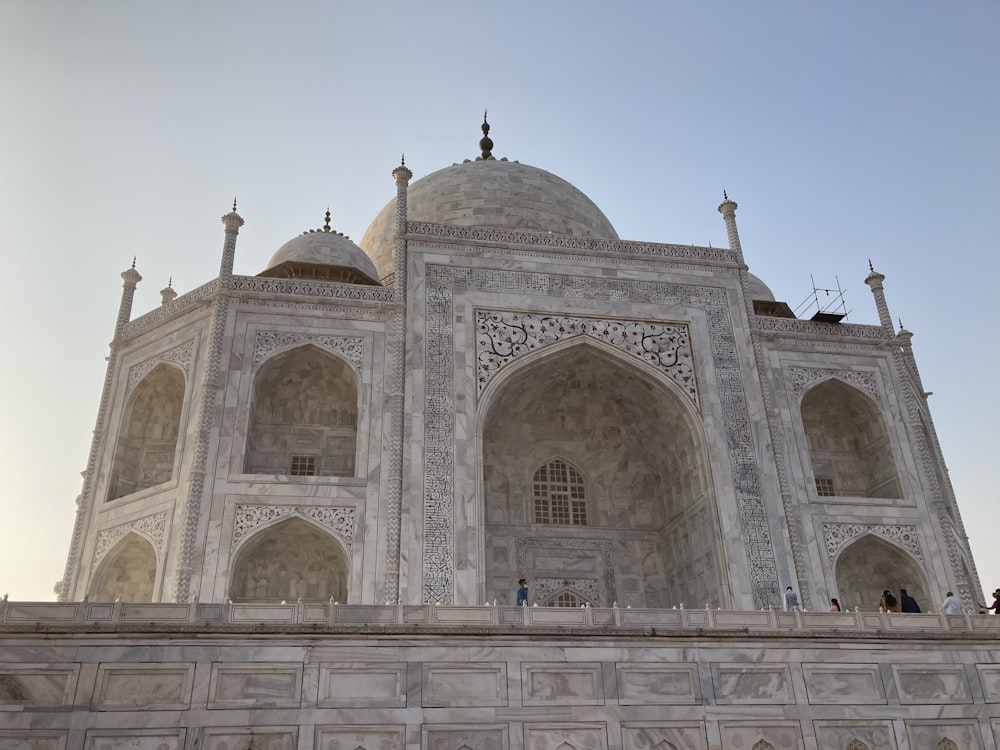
column 907, row 603
column 522, row 593
column 951, row 605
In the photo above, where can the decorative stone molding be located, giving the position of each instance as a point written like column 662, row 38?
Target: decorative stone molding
column 301, row 287
column 559, row 241
column 814, row 328
column 803, row 377
column 352, row 349
column 439, row 409
column 588, row 588
column 338, row 520
column 838, row 535
column 152, row 527
column 550, row 585
column 179, row 355
column 502, row 336
column 169, row 310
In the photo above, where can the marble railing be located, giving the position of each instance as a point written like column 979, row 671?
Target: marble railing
column 16, row 616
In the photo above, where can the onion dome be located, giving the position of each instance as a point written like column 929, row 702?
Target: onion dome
column 323, row 255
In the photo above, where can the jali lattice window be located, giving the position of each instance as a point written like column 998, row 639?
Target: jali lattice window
column 559, row 495
column 303, row 466
column 565, row 599
column 824, row 487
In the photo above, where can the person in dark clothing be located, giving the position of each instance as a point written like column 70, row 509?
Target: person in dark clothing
column 995, row 606
column 888, row 602
column 522, row 593
column 907, row 603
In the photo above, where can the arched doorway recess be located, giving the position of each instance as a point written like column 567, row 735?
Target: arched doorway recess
column 127, row 572
column 871, row 565
column 290, row 560
column 624, row 452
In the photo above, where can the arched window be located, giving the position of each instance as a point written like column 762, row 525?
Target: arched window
column 559, row 494
column 566, row 598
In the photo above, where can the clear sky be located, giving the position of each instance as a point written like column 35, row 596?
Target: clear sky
column 845, row 131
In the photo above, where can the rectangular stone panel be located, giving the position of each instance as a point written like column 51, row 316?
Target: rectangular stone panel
column 837, row 735
column 39, row 611
column 989, row 676
column 134, row 739
column 651, row 684
column 262, row 613
column 155, row 612
column 17, row 739
column 365, row 614
column 752, row 683
column 458, row 736
column 935, row 735
column 464, row 615
column 937, row 684
column 375, row 685
column 552, row 736
column 662, row 735
column 273, row 685
column 558, row 683
column 480, row 684
column 743, row 735
column 844, row 683
column 361, row 737
column 29, row 685
column 234, row 738
column 151, row 687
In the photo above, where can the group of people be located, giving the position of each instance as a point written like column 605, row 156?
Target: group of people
column 906, row 602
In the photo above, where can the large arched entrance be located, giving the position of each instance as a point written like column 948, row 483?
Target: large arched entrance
column 290, row 560
column 597, row 487
column 871, row 565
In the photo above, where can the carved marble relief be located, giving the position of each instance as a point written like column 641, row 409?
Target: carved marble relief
column 655, row 684
column 944, row 735
column 464, row 737
column 350, row 348
column 150, row 687
column 932, row 684
column 135, row 739
column 27, row 685
column 479, row 684
column 378, row 685
column 770, row 736
column 547, row 684
column 179, row 355
column 663, row 736
column 502, row 336
column 264, row 737
column 442, row 282
column 752, row 683
column 575, row 736
column 356, row 737
column 151, row 527
column 855, row 735
column 589, row 588
column 803, row 377
column 844, row 684
column 838, row 535
column 338, row 520
column 255, row 685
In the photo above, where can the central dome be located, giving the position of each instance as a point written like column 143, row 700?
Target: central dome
column 489, row 193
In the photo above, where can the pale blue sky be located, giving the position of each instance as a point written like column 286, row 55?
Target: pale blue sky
column 845, row 131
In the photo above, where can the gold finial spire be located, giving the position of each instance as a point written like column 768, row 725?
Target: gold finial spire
column 326, row 226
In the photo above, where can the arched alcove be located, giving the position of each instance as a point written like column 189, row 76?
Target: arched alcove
column 290, row 560
column 304, row 416
column 127, row 572
column 870, row 565
column 639, row 526
column 848, row 443
column 147, row 441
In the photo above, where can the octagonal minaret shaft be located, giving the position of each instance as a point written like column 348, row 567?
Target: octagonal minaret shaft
column 874, row 280
column 233, row 221
column 728, row 210
column 130, row 278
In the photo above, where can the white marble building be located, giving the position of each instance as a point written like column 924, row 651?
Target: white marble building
column 311, row 493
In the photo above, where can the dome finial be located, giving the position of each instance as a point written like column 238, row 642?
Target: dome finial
column 402, row 160
column 326, row 226
column 133, row 261
column 485, row 144
column 234, row 204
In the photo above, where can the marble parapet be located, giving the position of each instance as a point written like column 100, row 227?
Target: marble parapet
column 34, row 616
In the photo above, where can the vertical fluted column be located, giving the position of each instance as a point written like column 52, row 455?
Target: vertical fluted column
column 85, row 500
column 396, row 399
column 728, row 210
column 232, row 221
column 874, row 280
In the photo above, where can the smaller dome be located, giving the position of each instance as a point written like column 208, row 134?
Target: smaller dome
column 758, row 289
column 324, row 255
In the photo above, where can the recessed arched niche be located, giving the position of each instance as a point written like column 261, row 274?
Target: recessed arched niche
column 596, row 482
column 290, row 560
column 848, row 443
column 871, row 565
column 127, row 572
column 304, row 416
column 147, row 440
